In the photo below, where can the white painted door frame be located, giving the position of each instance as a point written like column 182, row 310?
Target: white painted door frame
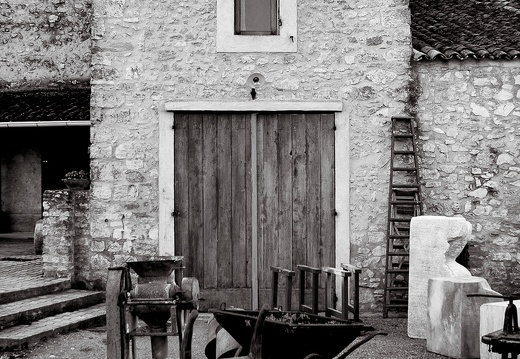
column 166, row 163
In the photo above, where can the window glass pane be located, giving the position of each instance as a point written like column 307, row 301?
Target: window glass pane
column 256, row 16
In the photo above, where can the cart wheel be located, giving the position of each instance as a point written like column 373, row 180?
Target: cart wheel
column 313, row 356
column 190, row 290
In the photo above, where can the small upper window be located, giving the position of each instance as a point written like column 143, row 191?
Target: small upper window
column 257, row 26
column 256, row 17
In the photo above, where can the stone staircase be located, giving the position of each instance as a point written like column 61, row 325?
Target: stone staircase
column 33, row 307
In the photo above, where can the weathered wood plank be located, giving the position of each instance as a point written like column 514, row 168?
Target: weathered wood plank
column 313, row 190
column 327, row 224
column 181, row 183
column 285, row 198
column 270, row 198
column 116, row 346
column 194, row 259
column 209, row 180
column 224, row 191
column 238, row 200
column 299, row 183
column 248, row 198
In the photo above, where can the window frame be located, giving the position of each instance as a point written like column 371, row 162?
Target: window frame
column 275, row 20
column 285, row 41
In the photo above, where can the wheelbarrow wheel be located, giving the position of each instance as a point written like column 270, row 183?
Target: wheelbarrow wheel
column 313, row 356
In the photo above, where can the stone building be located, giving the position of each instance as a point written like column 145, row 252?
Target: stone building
column 271, row 146
column 45, row 103
column 468, row 80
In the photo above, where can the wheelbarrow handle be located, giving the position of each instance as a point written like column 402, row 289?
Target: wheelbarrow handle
column 353, row 347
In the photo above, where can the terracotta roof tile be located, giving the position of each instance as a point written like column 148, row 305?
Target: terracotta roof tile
column 461, row 29
column 45, row 105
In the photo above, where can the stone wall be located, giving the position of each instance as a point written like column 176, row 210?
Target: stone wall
column 469, row 120
column 66, row 236
column 44, row 43
column 354, row 51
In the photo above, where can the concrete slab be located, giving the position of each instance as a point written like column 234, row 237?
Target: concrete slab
column 453, row 317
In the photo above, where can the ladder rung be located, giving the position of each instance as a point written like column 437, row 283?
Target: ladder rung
column 402, row 136
column 407, row 203
column 396, row 288
column 401, row 169
column 398, row 254
column 408, row 219
column 397, row 271
column 397, row 306
column 404, row 152
column 411, row 187
column 398, row 236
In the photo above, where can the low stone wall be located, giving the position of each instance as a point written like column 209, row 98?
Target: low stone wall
column 66, row 234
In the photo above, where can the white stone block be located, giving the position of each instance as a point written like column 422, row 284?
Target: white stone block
column 453, row 317
column 435, row 243
column 492, row 319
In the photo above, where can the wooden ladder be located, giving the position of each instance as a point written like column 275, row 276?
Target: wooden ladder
column 404, row 202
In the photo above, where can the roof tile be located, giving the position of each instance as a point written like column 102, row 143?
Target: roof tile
column 45, row 105
column 462, row 29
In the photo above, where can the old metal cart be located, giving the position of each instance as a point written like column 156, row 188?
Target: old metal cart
column 292, row 334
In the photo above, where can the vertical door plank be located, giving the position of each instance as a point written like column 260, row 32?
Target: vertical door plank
column 285, row 198
column 299, row 183
column 181, row 183
column 271, row 193
column 268, row 194
column 224, row 250
column 238, row 200
column 210, row 224
column 327, row 190
column 313, row 189
column 261, row 201
column 195, row 258
column 248, row 197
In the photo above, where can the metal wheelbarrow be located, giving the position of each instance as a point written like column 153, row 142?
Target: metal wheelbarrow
column 291, row 334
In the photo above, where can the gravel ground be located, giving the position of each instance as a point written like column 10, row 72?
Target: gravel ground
column 91, row 344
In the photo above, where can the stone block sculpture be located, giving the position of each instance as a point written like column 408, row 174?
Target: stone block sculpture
column 435, row 243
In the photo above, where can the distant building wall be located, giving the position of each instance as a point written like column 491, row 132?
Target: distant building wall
column 469, row 120
column 44, row 42
column 21, row 201
column 45, row 45
column 146, row 53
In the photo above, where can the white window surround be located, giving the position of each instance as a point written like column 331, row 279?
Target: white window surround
column 342, row 161
column 227, row 41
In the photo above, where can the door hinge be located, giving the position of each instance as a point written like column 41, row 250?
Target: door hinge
column 176, row 213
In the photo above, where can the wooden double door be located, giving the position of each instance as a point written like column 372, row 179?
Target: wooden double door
column 252, row 190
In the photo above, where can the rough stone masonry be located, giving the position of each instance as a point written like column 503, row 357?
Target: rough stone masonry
column 357, row 52
column 137, row 54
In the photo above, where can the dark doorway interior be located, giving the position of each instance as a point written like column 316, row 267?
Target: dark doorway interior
column 35, row 159
column 68, row 151
column 44, row 133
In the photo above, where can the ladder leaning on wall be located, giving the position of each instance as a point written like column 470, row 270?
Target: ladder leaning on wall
column 404, row 202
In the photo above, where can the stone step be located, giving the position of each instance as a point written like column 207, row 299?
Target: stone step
column 22, row 336
column 35, row 308
column 24, row 289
